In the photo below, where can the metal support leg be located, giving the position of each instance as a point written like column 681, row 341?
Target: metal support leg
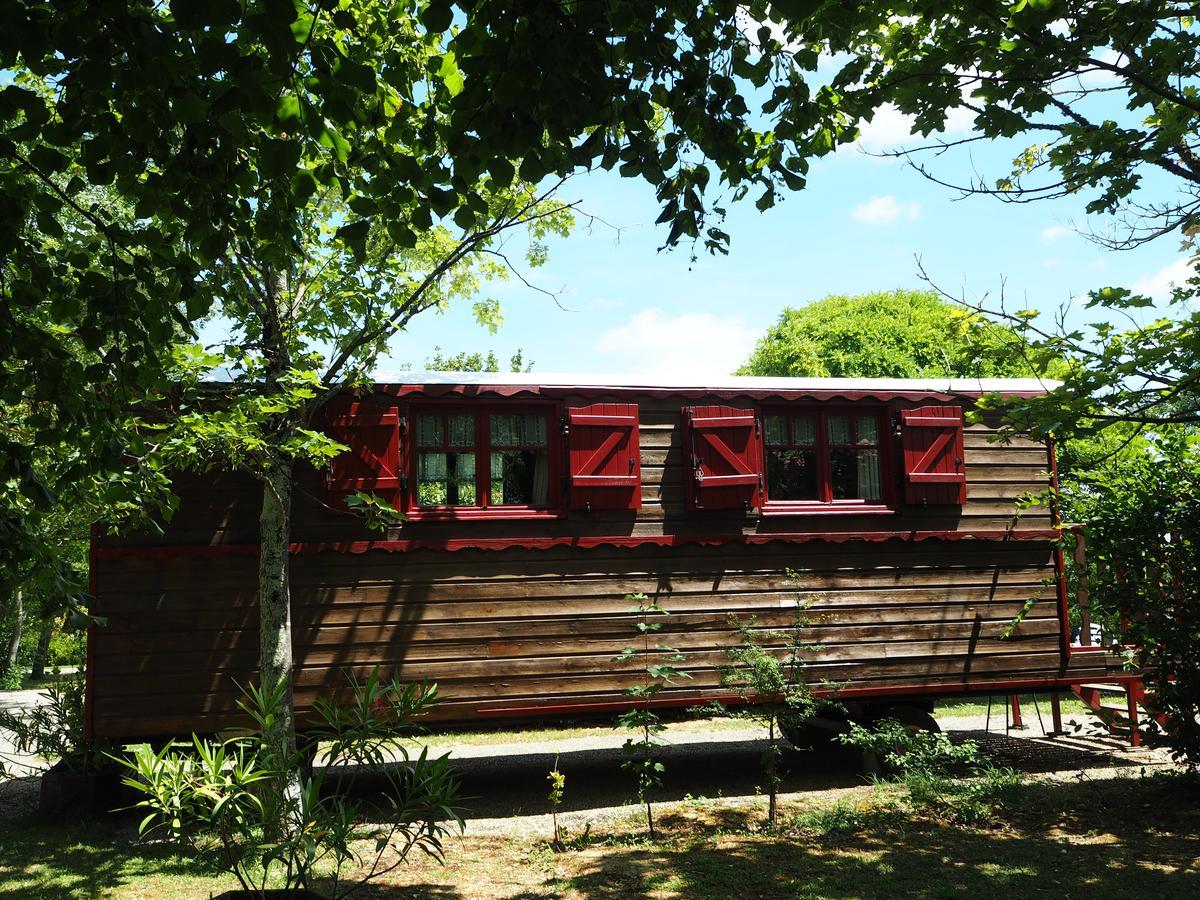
column 1133, row 694
column 1056, row 712
column 1015, row 701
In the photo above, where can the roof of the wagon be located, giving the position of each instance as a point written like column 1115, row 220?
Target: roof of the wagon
column 508, row 383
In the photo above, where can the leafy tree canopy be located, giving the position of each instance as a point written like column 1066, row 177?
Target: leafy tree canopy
column 475, row 362
column 218, row 123
column 886, row 334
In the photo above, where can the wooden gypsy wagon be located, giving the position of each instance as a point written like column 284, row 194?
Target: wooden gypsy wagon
column 534, row 504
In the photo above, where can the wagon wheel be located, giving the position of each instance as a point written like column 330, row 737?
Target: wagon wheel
column 817, row 733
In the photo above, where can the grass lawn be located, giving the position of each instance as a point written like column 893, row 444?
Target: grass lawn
column 977, row 706
column 1124, row 837
column 970, row 706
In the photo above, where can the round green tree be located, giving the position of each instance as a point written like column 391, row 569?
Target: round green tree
column 887, row 334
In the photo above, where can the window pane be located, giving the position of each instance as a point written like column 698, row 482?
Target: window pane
column 868, row 475
column 535, row 429
column 446, row 479
column 462, row 430
column 868, row 430
column 804, row 431
column 775, row 428
column 518, row 430
column 839, row 430
column 792, row 474
column 520, row 478
column 504, row 430
column 429, row 430
column 854, row 474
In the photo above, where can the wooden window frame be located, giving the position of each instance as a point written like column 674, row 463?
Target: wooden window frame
column 827, row 506
column 482, row 410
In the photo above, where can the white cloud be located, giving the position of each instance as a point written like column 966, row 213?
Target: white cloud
column 654, row 342
column 1093, row 77
column 1054, row 232
column 884, row 209
column 1157, row 286
column 891, row 129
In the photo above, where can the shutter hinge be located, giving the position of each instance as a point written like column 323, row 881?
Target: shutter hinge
column 403, row 421
column 564, row 424
column 404, row 483
column 896, row 425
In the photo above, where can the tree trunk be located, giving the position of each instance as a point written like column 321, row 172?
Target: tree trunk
column 42, row 654
column 275, row 620
column 14, row 645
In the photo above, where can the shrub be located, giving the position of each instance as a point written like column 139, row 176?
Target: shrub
column 54, row 730
column 220, row 798
column 954, row 782
column 767, row 671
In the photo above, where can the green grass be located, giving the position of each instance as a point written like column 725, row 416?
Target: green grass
column 28, row 683
column 977, row 706
column 1120, row 838
column 40, row 858
column 549, row 734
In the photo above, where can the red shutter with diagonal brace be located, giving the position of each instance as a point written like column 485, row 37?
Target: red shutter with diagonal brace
column 372, row 464
column 605, row 456
column 932, row 440
column 724, row 460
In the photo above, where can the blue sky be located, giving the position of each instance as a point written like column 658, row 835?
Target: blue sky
column 857, row 227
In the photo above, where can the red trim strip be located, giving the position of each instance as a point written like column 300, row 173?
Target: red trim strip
column 89, row 684
column 583, row 543
column 1038, row 685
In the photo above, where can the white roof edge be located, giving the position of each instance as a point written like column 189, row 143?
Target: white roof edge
column 725, row 382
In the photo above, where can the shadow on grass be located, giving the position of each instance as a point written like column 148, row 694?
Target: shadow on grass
column 53, row 858
column 515, row 784
column 1114, row 839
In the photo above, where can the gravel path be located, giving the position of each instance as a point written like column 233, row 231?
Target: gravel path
column 19, row 793
column 505, row 784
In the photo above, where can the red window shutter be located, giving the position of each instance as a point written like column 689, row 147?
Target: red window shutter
column 372, row 464
column 725, row 463
column 605, row 456
column 932, row 440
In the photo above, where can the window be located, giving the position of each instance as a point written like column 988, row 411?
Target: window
column 817, row 457
column 483, row 458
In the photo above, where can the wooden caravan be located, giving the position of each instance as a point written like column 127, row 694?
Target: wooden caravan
column 535, row 504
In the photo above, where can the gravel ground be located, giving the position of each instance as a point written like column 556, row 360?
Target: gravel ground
column 505, row 784
column 18, row 794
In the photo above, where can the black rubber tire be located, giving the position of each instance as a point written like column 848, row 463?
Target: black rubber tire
column 817, row 734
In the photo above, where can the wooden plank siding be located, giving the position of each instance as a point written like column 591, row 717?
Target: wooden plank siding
column 511, row 630
column 528, row 627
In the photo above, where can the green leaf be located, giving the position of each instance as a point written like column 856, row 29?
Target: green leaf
column 354, row 234
column 304, row 185
column 502, row 171
column 451, row 77
column 401, row 234
column 280, row 157
column 332, row 138
column 437, row 15
column 287, row 111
